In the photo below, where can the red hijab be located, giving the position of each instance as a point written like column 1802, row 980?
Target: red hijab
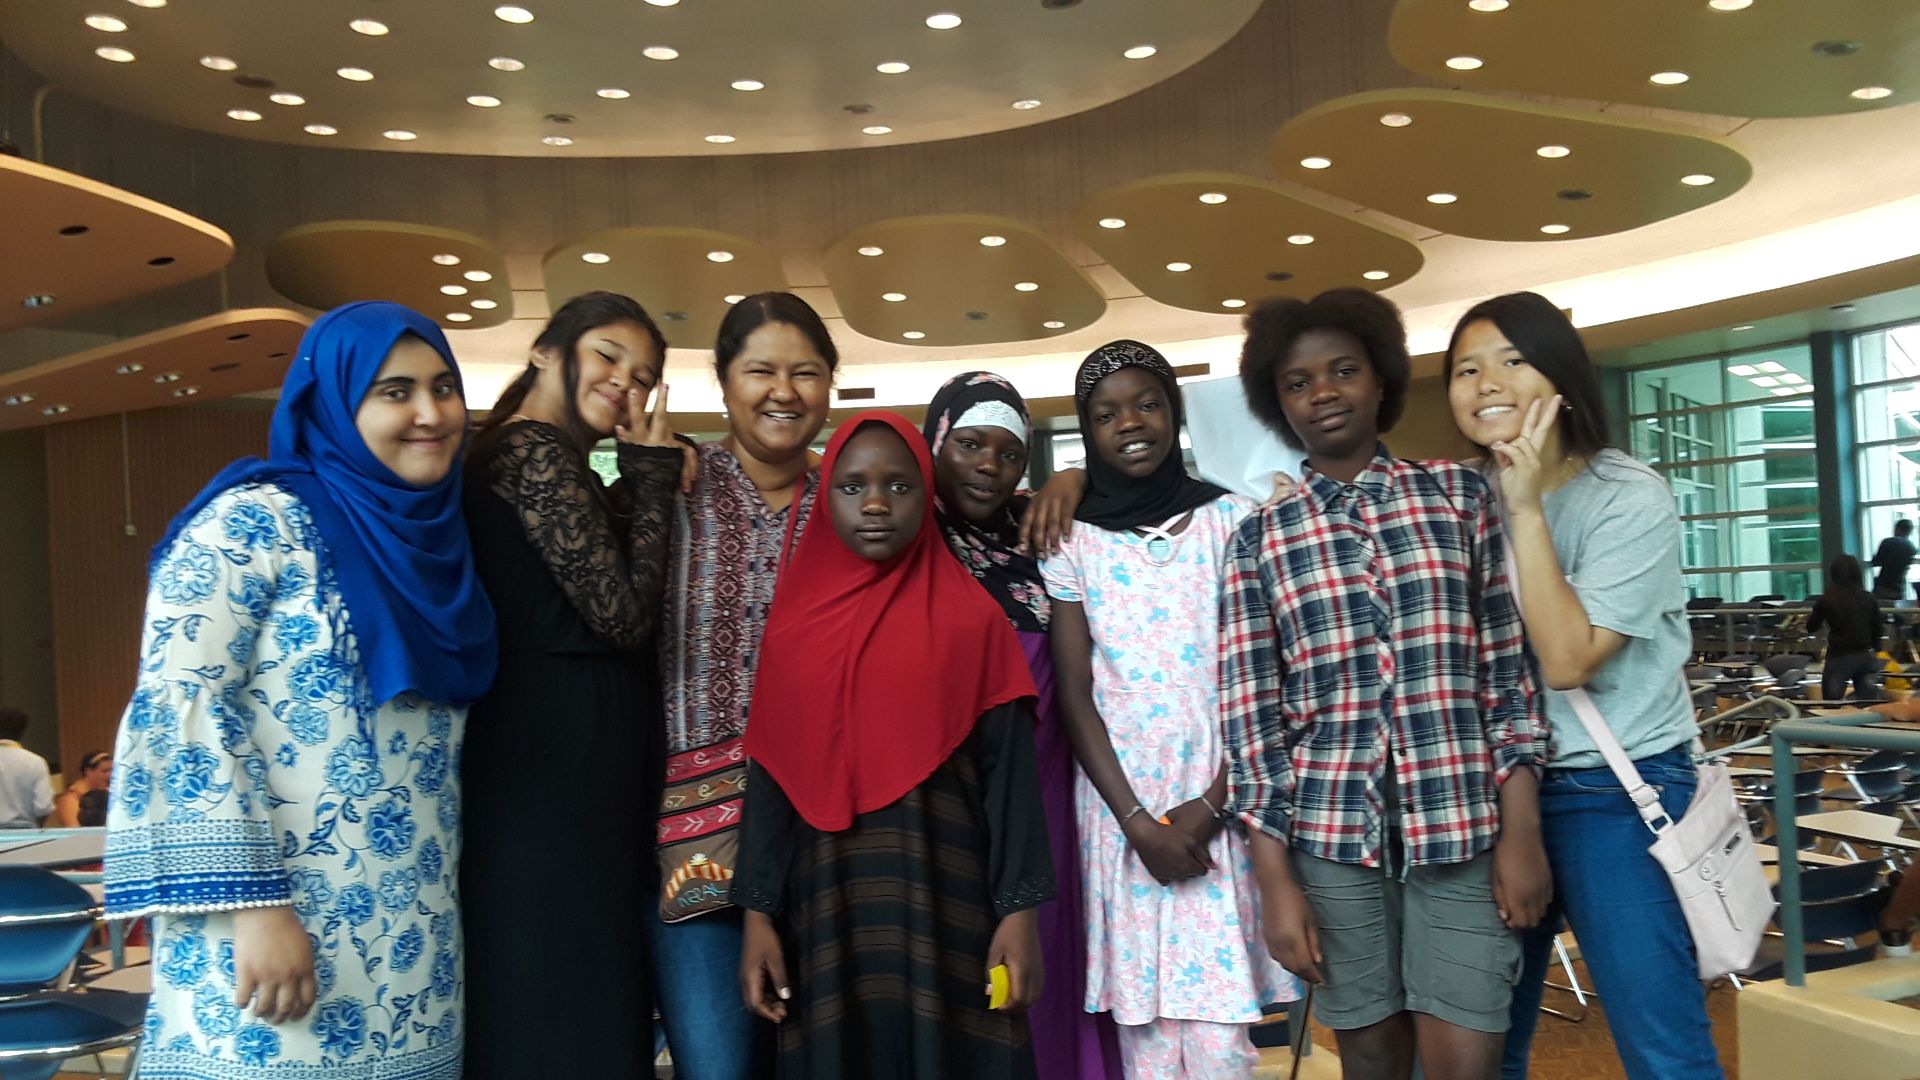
column 872, row 674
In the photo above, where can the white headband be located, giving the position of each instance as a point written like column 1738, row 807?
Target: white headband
column 996, row 414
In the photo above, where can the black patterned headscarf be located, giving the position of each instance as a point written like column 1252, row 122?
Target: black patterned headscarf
column 990, row 550
column 1114, row 500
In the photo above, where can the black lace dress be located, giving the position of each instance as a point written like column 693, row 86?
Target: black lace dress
column 886, row 924
column 562, row 760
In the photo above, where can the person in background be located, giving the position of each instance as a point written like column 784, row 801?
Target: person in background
column 1596, row 540
column 893, row 850
column 26, row 785
column 575, row 570
column 980, row 436
column 92, row 777
column 1851, row 616
column 1173, row 931
column 285, row 800
column 1895, row 555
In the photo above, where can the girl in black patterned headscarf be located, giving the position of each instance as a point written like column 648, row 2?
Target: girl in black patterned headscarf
column 1117, row 501
column 985, row 538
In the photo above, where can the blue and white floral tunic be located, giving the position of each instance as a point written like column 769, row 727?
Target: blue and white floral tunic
column 251, row 770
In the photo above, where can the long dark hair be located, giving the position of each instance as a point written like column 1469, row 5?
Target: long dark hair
column 588, row 311
column 760, row 309
column 1548, row 341
column 1845, row 576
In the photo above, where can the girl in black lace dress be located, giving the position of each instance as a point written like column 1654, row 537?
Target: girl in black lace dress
column 553, row 856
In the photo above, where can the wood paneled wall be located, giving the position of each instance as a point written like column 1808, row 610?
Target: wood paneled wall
column 101, row 478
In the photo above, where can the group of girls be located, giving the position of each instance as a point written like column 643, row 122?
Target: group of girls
column 448, row 759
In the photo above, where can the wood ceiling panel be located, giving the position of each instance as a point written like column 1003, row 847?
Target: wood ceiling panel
column 676, row 274
column 329, row 263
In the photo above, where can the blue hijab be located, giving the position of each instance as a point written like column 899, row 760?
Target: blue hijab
column 399, row 554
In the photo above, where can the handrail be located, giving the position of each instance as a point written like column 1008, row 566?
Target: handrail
column 1782, row 737
column 1781, row 609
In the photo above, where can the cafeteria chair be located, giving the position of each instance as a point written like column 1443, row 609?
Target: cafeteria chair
column 1838, row 906
column 44, row 921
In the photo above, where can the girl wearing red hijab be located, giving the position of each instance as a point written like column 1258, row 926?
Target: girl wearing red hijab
column 893, row 846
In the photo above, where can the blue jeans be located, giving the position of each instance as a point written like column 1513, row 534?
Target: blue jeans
column 696, row 979
column 1632, row 934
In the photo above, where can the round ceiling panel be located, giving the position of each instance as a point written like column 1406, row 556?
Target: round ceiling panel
column 457, row 280
column 685, row 278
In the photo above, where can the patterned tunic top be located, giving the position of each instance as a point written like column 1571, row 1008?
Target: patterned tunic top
column 252, row 770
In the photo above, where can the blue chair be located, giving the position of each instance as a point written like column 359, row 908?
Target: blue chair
column 44, row 921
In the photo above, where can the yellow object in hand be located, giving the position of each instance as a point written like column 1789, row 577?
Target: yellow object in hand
column 999, row 986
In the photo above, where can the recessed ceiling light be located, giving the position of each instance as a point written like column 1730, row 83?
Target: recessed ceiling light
column 1027, row 103
column 660, row 52
column 1300, row 239
column 354, row 74
column 218, row 63
column 107, row 24
column 1786, row 391
column 663, row 3
column 1668, row 78
column 284, row 98
column 1742, row 370
column 1465, row 63
column 993, row 241
column 166, row 377
column 114, row 53
column 1738, row 329
column 1553, row 151
column 876, row 129
column 518, row 16
column 557, row 140
column 1764, row 380
column 321, row 129
column 1871, row 93
column 1696, row 179
column 1179, row 267
column 369, row 27
column 400, row 135
column 483, row 101
column 1555, row 230
column 597, row 258
column 19, row 399
column 893, row 297
column 1235, row 302
column 748, row 86
column 719, row 140
column 1487, row 5
column 1316, row 163
column 55, row 410
column 1790, row 379
column 483, row 304
column 148, row 3
column 1113, row 223
column 1376, row 275
column 913, row 335
column 943, row 20
column 1729, row 5
column 477, row 275
column 1026, row 286
column 893, row 67
column 720, row 256
column 185, row 391
column 1054, row 324
column 446, row 260
column 870, row 251
column 247, row 116
column 506, row 63
column 129, row 369
column 459, row 316
column 613, row 93
column 454, row 290
column 734, row 297
column 1442, row 198
column 1213, row 198
column 1396, row 119
column 1139, row 52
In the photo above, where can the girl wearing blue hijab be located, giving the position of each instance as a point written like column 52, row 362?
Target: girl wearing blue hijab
column 285, row 804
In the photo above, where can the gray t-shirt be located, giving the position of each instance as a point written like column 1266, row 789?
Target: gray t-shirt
column 1617, row 534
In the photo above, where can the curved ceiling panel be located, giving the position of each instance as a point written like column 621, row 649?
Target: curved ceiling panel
column 767, row 76
column 1215, row 242
column 958, row 279
column 234, row 352
column 74, row 243
column 1497, row 169
column 685, row 278
column 457, row 280
column 1729, row 57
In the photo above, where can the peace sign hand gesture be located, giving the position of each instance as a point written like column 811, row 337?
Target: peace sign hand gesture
column 1521, row 472
column 646, row 426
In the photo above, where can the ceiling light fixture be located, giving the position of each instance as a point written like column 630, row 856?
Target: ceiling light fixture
column 1113, row 223
column 454, row 290
column 1770, row 367
column 1396, row 119
column 870, row 251
column 1465, row 63
column 1487, row 5
column 1179, row 267
column 518, row 16
column 459, row 316
column 483, row 101
column 943, row 20
column 369, row 27
column 19, row 399
column 748, row 86
column 1790, row 379
column 876, row 129
column 557, row 140
column 107, row 24
column 1552, row 151
column 218, row 63
column 1026, row 286
column 1316, row 163
column 284, row 98
column 1696, row 179
column 1213, row 198
column 1742, row 370
column 1054, row 324
column 1235, row 302
column 1442, row 198
column 720, row 256
column 1871, row 93
column 55, row 410
column 1025, row 104
column 993, row 241
column 1139, row 52
column 400, row 135
column 719, row 139
column 1787, row 391
column 1376, row 275
column 483, row 304
column 597, row 258
column 1729, row 5
column 663, row 3
column 354, row 74
column 477, row 275
column 245, row 116
column 913, row 335
column 613, row 93
column 148, row 3
column 734, row 297
column 660, row 52
column 1739, row 329
column 446, row 260
column 1555, row 230
column 506, row 63
column 129, row 369
column 893, row 67
column 321, row 129
column 1300, row 239
column 893, row 297
column 185, row 391
column 115, row 54
column 1764, row 380
column 1668, row 78
column 166, row 377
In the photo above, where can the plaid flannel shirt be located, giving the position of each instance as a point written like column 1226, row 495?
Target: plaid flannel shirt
column 1372, row 622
